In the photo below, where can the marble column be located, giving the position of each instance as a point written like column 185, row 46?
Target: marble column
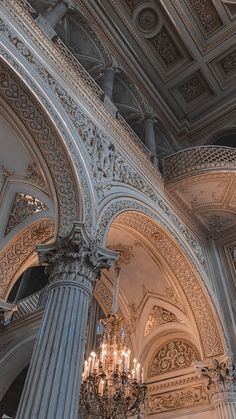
column 108, row 81
column 56, row 14
column 53, row 381
column 220, row 375
column 150, row 139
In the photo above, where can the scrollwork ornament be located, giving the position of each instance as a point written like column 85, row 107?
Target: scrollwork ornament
column 172, row 356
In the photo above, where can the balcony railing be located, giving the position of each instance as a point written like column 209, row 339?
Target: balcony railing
column 197, row 159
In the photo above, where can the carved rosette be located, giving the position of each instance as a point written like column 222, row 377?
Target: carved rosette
column 75, row 259
column 220, row 375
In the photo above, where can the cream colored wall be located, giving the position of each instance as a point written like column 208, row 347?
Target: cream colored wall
column 206, row 414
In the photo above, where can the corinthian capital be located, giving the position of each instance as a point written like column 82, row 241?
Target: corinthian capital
column 76, row 258
column 220, row 374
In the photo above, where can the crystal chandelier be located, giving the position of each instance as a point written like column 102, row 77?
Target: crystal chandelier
column 112, row 385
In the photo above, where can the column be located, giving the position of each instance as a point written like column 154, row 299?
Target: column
column 52, row 385
column 56, row 14
column 220, row 375
column 108, row 81
column 150, row 139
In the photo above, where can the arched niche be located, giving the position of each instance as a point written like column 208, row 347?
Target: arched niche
column 164, row 264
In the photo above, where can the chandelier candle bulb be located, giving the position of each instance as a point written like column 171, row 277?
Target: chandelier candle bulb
column 101, row 387
column 93, row 356
column 115, row 360
column 128, row 359
column 123, row 361
column 138, row 372
column 142, row 376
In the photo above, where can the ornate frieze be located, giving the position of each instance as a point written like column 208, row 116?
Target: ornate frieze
column 206, row 15
column 23, row 207
column 15, row 254
column 158, row 316
column 176, row 399
column 172, row 356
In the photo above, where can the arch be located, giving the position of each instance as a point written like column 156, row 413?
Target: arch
column 17, row 255
column 225, row 137
column 51, row 140
column 189, row 279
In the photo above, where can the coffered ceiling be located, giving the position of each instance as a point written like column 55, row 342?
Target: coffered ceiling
column 182, row 53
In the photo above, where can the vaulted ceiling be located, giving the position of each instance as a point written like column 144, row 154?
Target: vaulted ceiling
column 181, row 53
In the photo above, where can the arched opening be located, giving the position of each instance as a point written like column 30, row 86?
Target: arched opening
column 11, row 399
column 167, row 307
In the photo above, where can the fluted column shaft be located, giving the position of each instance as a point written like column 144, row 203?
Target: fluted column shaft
column 52, row 385
column 226, row 410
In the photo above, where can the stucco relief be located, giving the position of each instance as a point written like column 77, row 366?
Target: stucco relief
column 46, row 139
column 173, row 355
column 158, row 316
column 23, row 207
column 122, row 170
column 15, row 254
column 188, row 280
column 177, row 399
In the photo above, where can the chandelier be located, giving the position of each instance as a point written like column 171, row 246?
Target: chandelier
column 112, row 385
